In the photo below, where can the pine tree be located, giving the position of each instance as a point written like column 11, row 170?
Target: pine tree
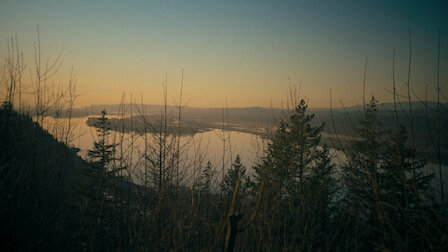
column 361, row 170
column 102, row 153
column 294, row 155
column 206, row 177
column 406, row 191
column 386, row 187
column 299, row 186
column 235, row 173
column 98, row 188
column 405, row 182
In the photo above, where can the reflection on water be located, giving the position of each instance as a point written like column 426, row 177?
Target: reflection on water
column 198, row 149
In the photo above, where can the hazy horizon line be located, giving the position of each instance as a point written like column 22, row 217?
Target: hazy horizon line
column 248, row 107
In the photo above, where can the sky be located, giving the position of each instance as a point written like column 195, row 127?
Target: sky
column 245, row 52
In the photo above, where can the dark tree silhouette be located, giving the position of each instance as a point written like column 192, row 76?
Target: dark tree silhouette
column 298, row 184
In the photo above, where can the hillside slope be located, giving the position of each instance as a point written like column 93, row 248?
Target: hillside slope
column 39, row 177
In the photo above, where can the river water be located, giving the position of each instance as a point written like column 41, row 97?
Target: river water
column 216, row 146
column 196, row 149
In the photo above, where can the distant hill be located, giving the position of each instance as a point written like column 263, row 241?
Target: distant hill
column 259, row 120
column 235, row 113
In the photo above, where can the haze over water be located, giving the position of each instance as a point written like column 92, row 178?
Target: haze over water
column 197, row 149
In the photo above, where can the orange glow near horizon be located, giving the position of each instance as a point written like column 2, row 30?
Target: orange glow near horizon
column 244, row 53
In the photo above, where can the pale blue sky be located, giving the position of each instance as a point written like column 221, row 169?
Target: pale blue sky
column 244, row 51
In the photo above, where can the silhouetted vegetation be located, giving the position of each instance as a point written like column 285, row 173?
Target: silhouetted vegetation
column 260, row 121
column 53, row 200
column 376, row 194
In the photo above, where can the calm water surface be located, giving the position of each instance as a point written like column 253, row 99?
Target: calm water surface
column 196, row 149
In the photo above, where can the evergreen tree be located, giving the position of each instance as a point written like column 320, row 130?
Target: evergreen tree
column 294, row 156
column 386, row 187
column 205, row 180
column 98, row 188
column 102, row 153
column 361, row 169
column 298, row 184
column 235, row 173
column 405, row 181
